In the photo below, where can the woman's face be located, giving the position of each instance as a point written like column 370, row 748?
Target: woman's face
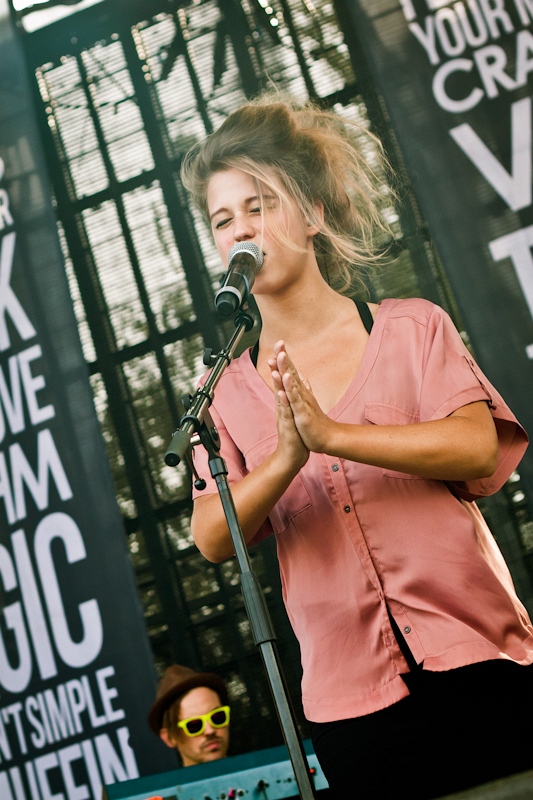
column 236, row 215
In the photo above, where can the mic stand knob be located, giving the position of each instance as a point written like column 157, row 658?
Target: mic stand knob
column 208, row 357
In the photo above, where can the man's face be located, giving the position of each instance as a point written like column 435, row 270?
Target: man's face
column 210, row 745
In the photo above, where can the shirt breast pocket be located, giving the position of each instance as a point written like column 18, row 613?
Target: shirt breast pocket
column 294, row 500
column 384, row 414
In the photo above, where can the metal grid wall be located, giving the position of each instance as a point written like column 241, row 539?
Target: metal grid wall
column 122, row 94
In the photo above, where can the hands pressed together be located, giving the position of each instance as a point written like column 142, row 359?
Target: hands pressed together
column 302, row 425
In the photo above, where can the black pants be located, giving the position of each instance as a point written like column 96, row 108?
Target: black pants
column 456, row 729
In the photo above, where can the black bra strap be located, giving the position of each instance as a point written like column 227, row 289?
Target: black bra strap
column 366, row 315
column 254, row 353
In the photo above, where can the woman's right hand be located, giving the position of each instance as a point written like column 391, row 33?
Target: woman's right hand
column 291, row 448
column 259, row 490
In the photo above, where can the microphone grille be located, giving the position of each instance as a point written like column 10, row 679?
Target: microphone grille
column 246, row 247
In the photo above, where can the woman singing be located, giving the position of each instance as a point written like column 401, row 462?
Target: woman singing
column 360, row 435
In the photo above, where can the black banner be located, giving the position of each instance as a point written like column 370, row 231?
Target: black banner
column 76, row 674
column 456, row 80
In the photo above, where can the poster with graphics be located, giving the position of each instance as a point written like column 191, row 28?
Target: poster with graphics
column 456, row 80
column 76, row 674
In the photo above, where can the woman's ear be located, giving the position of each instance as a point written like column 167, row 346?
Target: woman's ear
column 314, row 225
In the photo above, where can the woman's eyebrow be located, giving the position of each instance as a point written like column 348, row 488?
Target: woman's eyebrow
column 219, row 211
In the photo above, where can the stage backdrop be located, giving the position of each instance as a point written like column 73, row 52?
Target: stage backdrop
column 456, row 80
column 76, row 675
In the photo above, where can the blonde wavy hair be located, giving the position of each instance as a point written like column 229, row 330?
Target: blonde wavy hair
column 304, row 155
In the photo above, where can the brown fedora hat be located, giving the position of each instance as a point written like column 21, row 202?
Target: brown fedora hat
column 177, row 681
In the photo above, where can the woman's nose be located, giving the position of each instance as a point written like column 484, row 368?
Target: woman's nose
column 243, row 229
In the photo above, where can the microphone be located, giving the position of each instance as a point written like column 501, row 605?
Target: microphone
column 244, row 262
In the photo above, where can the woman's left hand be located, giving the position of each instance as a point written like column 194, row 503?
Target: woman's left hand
column 311, row 422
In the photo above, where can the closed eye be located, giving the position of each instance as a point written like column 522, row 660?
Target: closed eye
column 270, row 203
column 222, row 222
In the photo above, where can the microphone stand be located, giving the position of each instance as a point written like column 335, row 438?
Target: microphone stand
column 196, row 427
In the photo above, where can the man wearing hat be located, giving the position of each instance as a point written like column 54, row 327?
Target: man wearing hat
column 191, row 714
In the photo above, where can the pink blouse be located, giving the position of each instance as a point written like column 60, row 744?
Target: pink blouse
column 353, row 539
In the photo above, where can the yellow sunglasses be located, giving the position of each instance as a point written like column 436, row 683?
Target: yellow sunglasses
column 195, row 726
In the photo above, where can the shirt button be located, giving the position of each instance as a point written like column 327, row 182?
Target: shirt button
column 407, row 629
column 335, row 467
column 347, row 509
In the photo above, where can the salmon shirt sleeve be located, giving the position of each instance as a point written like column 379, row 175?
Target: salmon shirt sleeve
column 235, row 432
column 451, row 379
